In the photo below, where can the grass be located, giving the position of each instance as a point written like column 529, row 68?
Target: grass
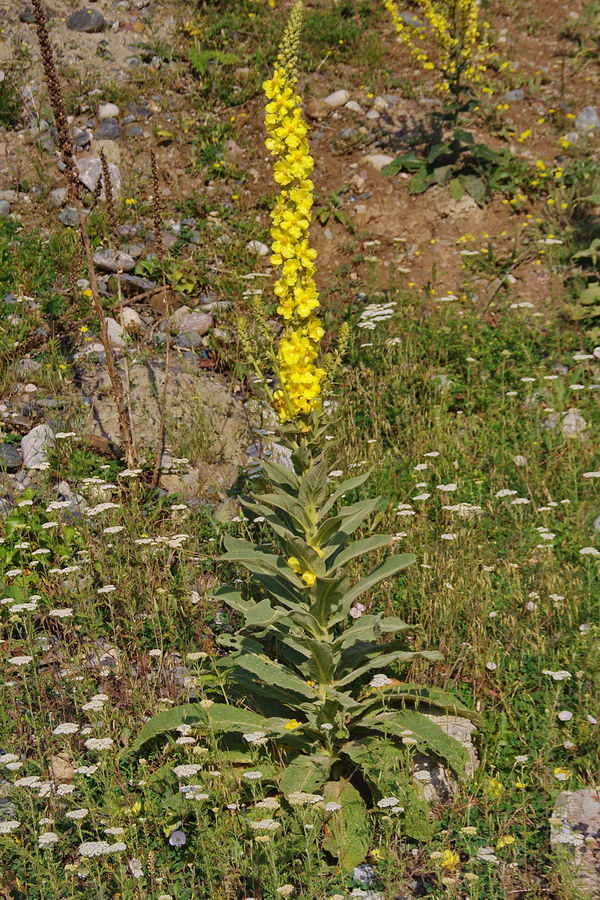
column 108, row 613
column 479, row 596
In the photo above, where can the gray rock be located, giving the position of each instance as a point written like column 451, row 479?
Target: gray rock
column 58, row 197
column 353, row 106
column 4, row 208
column 33, row 447
column 337, row 99
column 108, row 111
column 116, row 333
column 69, row 217
column 578, row 831
column 83, row 139
column 89, row 171
column 258, row 248
column 11, row 457
column 134, row 250
column 90, row 21
column 189, row 340
column 364, row 874
column 135, row 131
column 26, row 367
column 113, row 261
column 587, row 120
column 573, row 424
column 139, row 110
column 411, row 19
column 10, row 196
column 512, row 96
column 108, row 130
column 27, row 16
column 132, row 284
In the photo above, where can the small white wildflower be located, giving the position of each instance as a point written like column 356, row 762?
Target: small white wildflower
column 585, row 551
column 265, row 825
column 64, row 613
column 90, row 849
column 98, row 743
column 77, row 814
column 20, row 660
column 47, row 839
column 492, row 666
column 186, row 771
column 66, row 728
column 387, row 801
column 253, row 775
column 268, row 803
column 9, row 826
column 521, row 759
column 380, row 681
column 520, row 501
column 564, row 715
column 447, row 488
column 256, row 738
column 561, row 675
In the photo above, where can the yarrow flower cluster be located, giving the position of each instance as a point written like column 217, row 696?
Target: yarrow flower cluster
column 300, row 376
column 454, row 28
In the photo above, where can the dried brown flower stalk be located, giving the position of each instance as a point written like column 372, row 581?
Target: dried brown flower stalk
column 66, row 151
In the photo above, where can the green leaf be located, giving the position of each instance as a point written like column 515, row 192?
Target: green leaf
column 261, row 614
column 417, row 822
column 290, row 506
column 313, row 486
column 329, row 593
column 169, row 720
column 442, row 174
column 346, row 832
column 333, row 532
column 465, row 136
column 432, row 698
column 358, row 548
column 275, row 674
column 282, row 476
column 379, row 759
column 437, row 150
column 387, row 568
column 475, row 187
column 428, row 734
column 455, row 189
column 419, row 183
column 406, row 162
column 321, row 664
column 380, row 661
column 225, row 717
column 350, row 484
column 305, row 773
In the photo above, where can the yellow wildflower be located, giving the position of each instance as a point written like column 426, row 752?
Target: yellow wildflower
column 505, row 841
column 291, row 725
column 495, row 787
column 309, row 579
column 299, row 375
column 449, row 860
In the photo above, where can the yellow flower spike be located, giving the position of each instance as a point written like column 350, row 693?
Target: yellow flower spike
column 299, row 375
column 309, row 579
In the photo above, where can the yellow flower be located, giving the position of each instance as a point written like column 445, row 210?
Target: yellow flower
column 495, row 787
column 300, row 377
column 450, row 860
column 292, row 724
column 130, row 201
column 294, row 564
column 505, row 841
column 309, row 579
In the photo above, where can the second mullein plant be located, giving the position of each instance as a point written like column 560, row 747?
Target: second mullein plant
column 311, row 677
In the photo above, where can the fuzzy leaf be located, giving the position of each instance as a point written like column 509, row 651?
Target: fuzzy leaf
column 282, row 476
column 169, row 720
column 305, row 773
column 428, row 734
column 357, row 548
column 261, row 614
column 417, row 694
column 387, row 568
column 350, row 484
column 380, row 661
column 313, row 486
column 275, row 674
column 347, row 832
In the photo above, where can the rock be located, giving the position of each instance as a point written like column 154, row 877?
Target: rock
column 587, row 120
column 10, row 196
column 108, row 111
column 364, row 874
column 512, row 96
column 90, row 21
column 373, row 115
column 27, row 16
column 58, row 197
column 61, row 768
column 69, row 217
column 575, row 826
column 441, row 784
column 26, row 366
column 108, row 130
column 186, row 485
column 134, row 131
column 411, row 19
column 189, row 340
column 113, row 261
column 199, row 323
column 89, row 171
column 139, row 110
column 317, row 109
column 4, row 208
column 111, row 151
column 258, row 248
column 11, row 457
column 573, row 424
column 378, row 160
column 131, row 284
column 83, row 139
column 337, row 99
column 33, row 447
column 353, row 106
column 131, row 321
column 116, row 333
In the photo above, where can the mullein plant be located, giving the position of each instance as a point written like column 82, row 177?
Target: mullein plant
column 311, row 677
column 450, row 38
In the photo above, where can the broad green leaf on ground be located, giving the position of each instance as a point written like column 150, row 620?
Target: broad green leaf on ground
column 347, row 831
column 428, row 734
column 305, row 773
